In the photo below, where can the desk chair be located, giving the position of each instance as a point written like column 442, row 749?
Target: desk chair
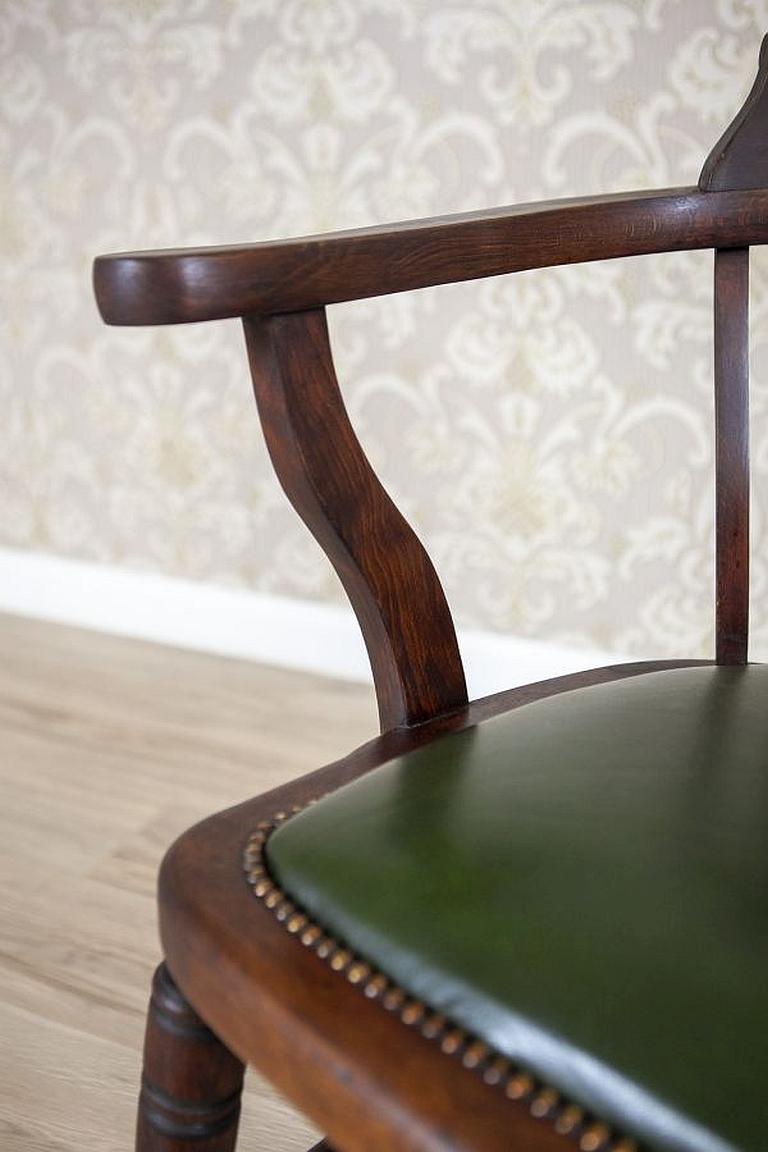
column 527, row 923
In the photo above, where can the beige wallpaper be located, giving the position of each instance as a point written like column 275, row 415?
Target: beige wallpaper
column 549, row 434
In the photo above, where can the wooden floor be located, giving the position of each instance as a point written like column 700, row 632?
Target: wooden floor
column 108, row 749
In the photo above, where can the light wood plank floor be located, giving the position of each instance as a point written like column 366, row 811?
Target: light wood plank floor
column 108, row 749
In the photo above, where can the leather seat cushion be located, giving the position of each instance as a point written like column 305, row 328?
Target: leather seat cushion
column 582, row 883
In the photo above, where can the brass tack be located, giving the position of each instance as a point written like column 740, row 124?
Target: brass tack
column 594, row 1138
column 256, row 839
column 393, row 999
column 296, row 923
column 296, row 808
column 358, row 972
column 496, row 1070
column 311, row 935
column 252, row 855
column 264, row 825
column 543, row 1103
column 519, row 1086
column 273, row 898
column 325, row 946
column 475, row 1054
column 625, row 1146
column 452, row 1041
column 433, row 1026
column 285, row 910
column 412, row 1012
column 376, row 985
column 279, row 817
column 568, row 1120
column 256, row 874
column 340, row 959
column 263, row 888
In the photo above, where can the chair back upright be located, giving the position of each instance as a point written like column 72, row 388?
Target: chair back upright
column 738, row 162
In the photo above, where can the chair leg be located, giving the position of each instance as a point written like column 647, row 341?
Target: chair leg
column 190, row 1089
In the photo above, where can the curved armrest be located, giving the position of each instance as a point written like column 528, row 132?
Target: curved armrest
column 182, row 285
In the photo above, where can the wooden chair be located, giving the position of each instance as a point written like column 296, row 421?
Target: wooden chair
column 527, row 923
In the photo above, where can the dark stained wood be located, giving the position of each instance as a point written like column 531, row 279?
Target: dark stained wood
column 359, row 1072
column 177, row 286
column 362, row 1076
column 732, row 454
column 387, row 575
column 739, row 160
column 191, row 1084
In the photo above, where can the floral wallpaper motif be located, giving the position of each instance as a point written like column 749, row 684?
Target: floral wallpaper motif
column 549, row 434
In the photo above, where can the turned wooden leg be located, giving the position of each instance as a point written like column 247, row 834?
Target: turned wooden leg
column 190, row 1089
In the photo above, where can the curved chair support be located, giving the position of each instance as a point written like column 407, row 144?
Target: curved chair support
column 387, row 575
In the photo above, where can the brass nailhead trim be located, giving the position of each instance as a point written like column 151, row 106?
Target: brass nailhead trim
column 595, row 1138
column 412, row 1013
column 497, row 1070
column 519, row 1086
column 434, row 1026
column 394, row 998
column 311, row 935
column 543, row 1102
column 475, row 1054
column 340, row 959
column 358, row 972
column 452, row 1041
column 326, row 946
column 376, row 986
column 284, row 910
column 570, row 1119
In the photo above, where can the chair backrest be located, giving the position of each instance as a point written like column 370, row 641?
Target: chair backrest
column 280, row 290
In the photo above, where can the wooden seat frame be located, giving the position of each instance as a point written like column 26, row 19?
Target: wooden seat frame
column 376, row 1080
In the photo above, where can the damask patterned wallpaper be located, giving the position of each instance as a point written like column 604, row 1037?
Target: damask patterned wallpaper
column 550, row 434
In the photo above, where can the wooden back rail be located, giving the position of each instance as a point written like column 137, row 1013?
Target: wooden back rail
column 281, row 289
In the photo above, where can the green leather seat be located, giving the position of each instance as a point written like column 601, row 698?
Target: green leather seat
column 583, row 884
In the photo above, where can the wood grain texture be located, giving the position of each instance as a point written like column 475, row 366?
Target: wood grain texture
column 178, row 286
column 362, row 1075
column 739, row 160
column 358, row 1072
column 91, row 799
column 386, row 573
column 732, row 455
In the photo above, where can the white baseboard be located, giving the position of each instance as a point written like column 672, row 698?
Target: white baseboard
column 302, row 634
